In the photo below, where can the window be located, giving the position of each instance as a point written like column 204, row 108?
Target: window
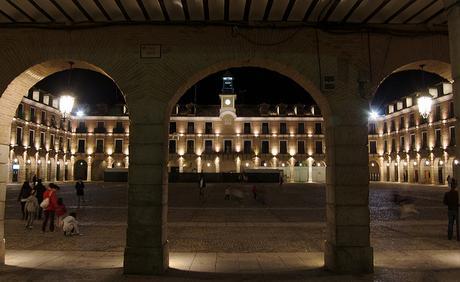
column 247, row 128
column 208, row 146
column 373, row 147
column 100, row 146
column 265, row 146
column 392, row 126
column 318, row 129
column 300, row 147
column 190, row 146
column 402, row 122
column 81, row 146
column 265, row 128
column 402, row 143
column 53, row 121
column 437, row 134
column 52, row 144
column 42, row 140
column 20, row 111
column 32, row 114
column 451, row 110
column 208, row 128
column 424, row 140
column 283, row 128
column 31, row 138
column 190, row 127
column 385, row 128
column 301, row 128
column 247, row 147
column 283, row 147
column 43, row 118
column 119, row 127
column 437, row 114
column 172, row 145
column 318, row 147
column 393, row 145
column 69, row 126
column 227, row 146
column 411, row 120
column 372, row 128
column 452, row 136
column 385, row 146
column 118, row 146
column 412, row 141
column 100, row 127
column 81, row 127
column 172, row 128
column 61, row 141
column 68, row 145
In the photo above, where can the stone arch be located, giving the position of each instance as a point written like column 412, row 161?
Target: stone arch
column 80, row 170
column 425, row 171
column 374, row 171
column 439, row 170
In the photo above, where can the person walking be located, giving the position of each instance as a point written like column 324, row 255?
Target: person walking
column 80, row 189
column 39, row 191
column 24, row 193
column 31, row 208
column 451, row 201
column 49, row 204
column 202, row 186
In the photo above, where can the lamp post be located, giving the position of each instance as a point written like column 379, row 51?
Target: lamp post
column 65, row 106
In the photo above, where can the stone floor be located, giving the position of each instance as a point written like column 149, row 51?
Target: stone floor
column 281, row 239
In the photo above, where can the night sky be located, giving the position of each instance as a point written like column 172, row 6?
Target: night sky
column 252, row 86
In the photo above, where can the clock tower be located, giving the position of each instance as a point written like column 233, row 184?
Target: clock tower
column 227, row 98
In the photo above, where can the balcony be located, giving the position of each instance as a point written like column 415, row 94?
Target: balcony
column 100, row 130
column 81, row 130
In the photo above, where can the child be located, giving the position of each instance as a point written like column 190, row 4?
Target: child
column 60, row 211
column 70, row 225
column 31, row 208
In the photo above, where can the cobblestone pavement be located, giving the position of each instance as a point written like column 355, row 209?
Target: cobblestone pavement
column 288, row 219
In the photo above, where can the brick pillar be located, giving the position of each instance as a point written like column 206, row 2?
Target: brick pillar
column 347, row 247
column 146, row 249
column 454, row 47
column 4, row 153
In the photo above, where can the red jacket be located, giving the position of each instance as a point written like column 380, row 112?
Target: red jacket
column 60, row 210
column 52, row 200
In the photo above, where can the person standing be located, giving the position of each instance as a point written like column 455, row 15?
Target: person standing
column 451, row 201
column 40, row 190
column 24, row 193
column 80, row 189
column 49, row 204
column 202, row 185
column 31, row 208
column 34, row 180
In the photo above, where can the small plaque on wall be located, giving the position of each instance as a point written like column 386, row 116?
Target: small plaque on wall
column 150, row 51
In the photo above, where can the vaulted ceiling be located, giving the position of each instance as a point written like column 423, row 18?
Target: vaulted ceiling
column 252, row 12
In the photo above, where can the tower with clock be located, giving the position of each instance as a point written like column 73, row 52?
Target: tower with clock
column 227, row 99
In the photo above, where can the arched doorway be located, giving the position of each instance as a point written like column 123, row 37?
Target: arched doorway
column 374, row 171
column 425, row 169
column 440, row 169
column 80, row 170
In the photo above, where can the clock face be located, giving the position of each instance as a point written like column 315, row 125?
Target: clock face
column 227, row 102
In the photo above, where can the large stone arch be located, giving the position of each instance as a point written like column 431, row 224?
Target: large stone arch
column 346, row 139
column 12, row 93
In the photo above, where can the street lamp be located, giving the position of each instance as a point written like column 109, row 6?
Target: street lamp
column 66, row 104
column 424, row 103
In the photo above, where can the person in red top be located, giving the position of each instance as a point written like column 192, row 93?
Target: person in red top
column 60, row 211
column 50, row 209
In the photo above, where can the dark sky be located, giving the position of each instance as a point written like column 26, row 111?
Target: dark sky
column 401, row 84
column 252, row 85
column 89, row 87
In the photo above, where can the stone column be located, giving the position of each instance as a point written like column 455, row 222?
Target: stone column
column 347, row 247
column 146, row 249
column 310, row 170
column 89, row 169
column 453, row 16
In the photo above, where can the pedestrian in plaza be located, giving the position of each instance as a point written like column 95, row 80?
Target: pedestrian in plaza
column 227, row 193
column 80, row 189
column 31, row 208
column 451, row 201
column 49, row 205
column 60, row 211
column 281, row 179
column 70, row 225
column 254, row 192
column 39, row 191
column 202, row 185
column 34, row 180
column 24, row 193
column 449, row 180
